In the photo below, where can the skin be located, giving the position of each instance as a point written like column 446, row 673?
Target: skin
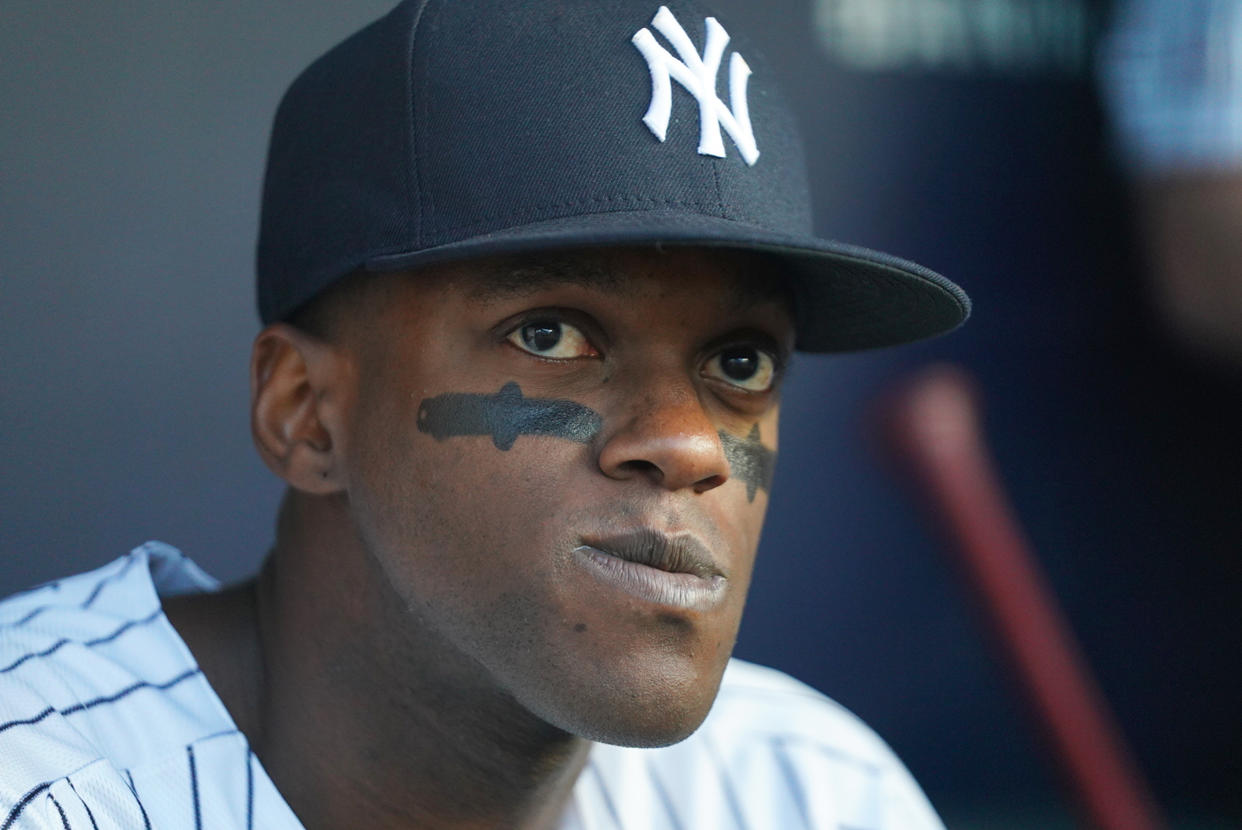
column 423, row 647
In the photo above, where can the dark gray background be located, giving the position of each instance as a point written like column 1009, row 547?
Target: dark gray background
column 131, row 151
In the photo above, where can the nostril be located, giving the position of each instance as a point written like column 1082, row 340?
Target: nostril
column 638, row 465
column 708, row 483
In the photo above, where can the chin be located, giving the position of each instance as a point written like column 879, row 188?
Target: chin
column 641, row 732
column 658, row 713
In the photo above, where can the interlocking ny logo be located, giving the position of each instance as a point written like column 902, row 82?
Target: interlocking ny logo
column 698, row 75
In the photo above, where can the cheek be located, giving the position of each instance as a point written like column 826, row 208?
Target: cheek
column 741, row 522
column 738, row 516
column 456, row 517
column 741, row 525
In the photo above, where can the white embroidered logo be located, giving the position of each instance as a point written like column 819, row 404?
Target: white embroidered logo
column 698, row 75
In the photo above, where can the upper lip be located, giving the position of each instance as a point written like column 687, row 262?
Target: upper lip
column 676, row 554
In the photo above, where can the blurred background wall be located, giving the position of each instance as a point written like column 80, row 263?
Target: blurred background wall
column 964, row 134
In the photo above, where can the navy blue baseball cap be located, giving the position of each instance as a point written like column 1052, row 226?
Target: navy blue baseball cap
column 454, row 129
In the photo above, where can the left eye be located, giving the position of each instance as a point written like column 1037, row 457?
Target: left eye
column 552, row 339
column 746, row 367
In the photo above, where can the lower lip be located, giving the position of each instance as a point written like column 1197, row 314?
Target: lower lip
column 673, row 590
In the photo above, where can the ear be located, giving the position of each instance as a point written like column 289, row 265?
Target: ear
column 298, row 389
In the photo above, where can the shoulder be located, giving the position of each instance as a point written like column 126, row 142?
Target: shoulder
column 95, row 688
column 88, row 645
column 773, row 752
column 757, row 703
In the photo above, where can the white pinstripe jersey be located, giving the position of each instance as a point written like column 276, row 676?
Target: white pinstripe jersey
column 107, row 722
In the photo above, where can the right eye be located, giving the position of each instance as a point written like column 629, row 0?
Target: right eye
column 745, row 367
column 552, row 339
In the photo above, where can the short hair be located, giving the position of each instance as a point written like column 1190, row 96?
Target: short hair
column 326, row 315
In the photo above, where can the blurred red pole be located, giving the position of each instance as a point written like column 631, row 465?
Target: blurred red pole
column 932, row 425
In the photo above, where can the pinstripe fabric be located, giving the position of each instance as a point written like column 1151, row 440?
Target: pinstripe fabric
column 106, row 723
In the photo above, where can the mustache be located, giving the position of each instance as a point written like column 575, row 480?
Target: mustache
column 676, row 554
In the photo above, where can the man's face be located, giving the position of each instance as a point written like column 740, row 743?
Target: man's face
column 561, row 468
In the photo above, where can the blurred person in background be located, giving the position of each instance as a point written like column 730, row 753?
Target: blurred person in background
column 1116, row 441
column 1172, row 75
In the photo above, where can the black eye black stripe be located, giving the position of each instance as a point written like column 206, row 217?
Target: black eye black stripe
column 508, row 414
column 750, row 460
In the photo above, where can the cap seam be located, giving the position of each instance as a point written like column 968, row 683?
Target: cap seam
column 720, row 200
column 411, row 143
column 418, row 117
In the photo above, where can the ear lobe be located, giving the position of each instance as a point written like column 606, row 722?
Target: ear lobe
column 296, row 385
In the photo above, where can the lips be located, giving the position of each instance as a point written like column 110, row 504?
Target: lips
column 670, row 571
column 679, row 554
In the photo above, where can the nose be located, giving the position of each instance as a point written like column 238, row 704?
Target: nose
column 667, row 437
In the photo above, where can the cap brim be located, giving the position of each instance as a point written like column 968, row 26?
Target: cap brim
column 847, row 297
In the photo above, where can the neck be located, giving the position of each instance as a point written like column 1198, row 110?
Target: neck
column 367, row 718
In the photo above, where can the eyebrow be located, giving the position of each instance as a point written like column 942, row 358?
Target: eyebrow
column 507, row 280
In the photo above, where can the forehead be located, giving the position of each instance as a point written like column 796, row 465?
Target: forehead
column 736, row 280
